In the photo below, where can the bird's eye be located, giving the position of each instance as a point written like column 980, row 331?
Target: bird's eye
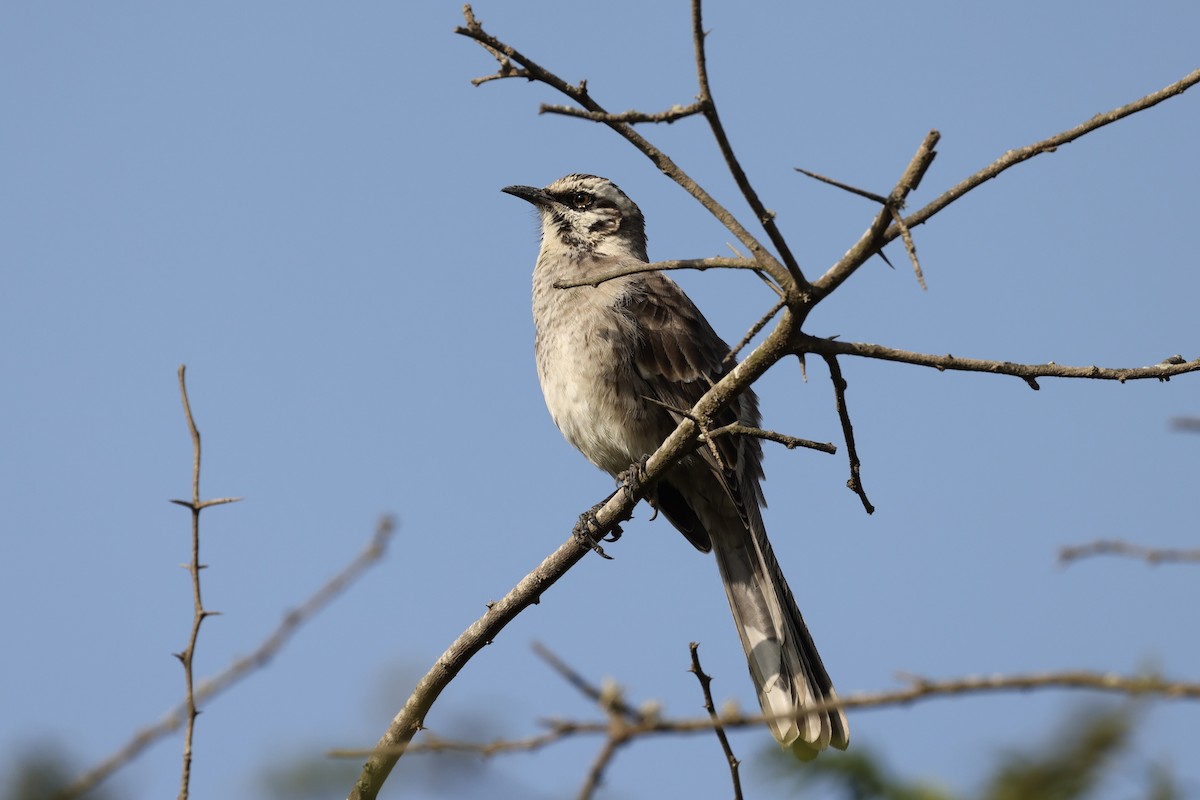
column 581, row 200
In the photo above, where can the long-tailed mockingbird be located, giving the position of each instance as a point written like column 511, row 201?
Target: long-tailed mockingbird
column 613, row 360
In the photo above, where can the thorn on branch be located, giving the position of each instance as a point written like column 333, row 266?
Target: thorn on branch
column 878, row 198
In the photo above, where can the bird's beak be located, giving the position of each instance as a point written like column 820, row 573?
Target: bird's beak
column 531, row 194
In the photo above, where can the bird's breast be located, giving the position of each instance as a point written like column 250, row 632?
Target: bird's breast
column 585, row 348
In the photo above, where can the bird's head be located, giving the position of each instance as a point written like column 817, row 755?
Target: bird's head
column 587, row 213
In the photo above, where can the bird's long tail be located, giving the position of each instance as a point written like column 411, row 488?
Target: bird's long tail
column 783, row 660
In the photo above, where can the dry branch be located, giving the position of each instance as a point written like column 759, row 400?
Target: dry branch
column 199, row 612
column 718, row 728
column 1115, row 547
column 919, row 689
column 1162, row 371
column 638, row 267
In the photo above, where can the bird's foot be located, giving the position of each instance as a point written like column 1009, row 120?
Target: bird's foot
column 587, row 528
column 634, row 477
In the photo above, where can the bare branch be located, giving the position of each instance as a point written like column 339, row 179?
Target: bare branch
column 199, row 614
column 676, row 112
column 1190, row 424
column 1115, row 547
column 910, row 247
column 1048, row 145
column 839, row 391
column 240, row 668
column 706, row 688
column 1028, row 372
column 790, row 442
column 638, row 267
column 918, row 689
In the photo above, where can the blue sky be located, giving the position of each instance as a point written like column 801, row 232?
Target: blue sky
column 301, row 202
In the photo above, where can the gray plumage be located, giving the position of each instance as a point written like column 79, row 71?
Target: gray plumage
column 601, row 352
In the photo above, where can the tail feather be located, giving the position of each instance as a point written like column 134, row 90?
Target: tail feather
column 783, row 660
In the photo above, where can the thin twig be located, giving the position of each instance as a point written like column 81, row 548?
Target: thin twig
column 240, row 668
column 1115, row 547
column 672, row 114
column 631, row 267
column 910, row 246
column 1029, row 373
column 199, row 613
column 718, row 728
column 790, row 442
column 839, row 390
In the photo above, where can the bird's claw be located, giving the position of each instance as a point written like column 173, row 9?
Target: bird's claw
column 586, row 528
column 634, row 477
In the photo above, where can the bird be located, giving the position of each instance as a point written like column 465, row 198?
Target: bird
column 619, row 363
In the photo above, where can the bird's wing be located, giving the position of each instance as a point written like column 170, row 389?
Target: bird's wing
column 679, row 357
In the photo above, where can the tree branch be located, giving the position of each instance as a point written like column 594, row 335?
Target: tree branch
column 790, row 442
column 672, row 114
column 199, row 613
column 706, row 688
column 839, row 391
column 1162, row 371
column 1115, row 547
column 918, row 690
column 637, row 268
